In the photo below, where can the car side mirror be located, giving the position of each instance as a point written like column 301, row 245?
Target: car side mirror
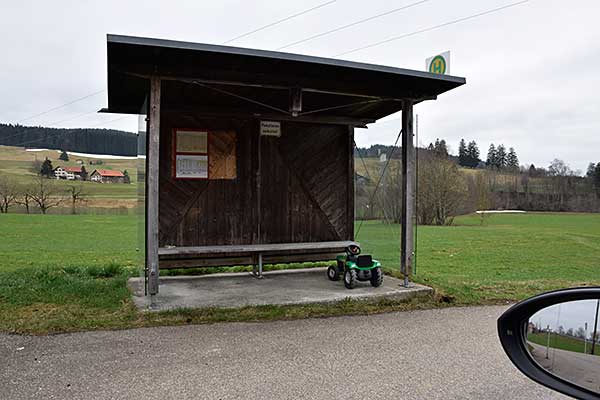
column 554, row 339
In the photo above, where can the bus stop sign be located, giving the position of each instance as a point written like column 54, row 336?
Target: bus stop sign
column 439, row 64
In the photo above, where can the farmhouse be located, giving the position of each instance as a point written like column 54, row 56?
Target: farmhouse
column 249, row 153
column 68, row 173
column 107, row 176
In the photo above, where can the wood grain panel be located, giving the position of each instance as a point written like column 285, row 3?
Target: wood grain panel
column 222, row 161
column 305, row 193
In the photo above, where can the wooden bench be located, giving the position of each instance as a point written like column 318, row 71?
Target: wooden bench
column 253, row 254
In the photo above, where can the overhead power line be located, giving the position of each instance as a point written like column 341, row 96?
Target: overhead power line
column 72, row 118
column 228, row 41
column 61, row 106
column 431, row 28
column 352, row 24
column 57, row 122
column 110, row 122
column 59, row 132
column 280, row 21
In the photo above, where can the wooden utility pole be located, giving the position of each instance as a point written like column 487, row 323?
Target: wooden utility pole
column 408, row 176
column 152, row 172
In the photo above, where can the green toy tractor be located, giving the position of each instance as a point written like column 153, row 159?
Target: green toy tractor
column 354, row 267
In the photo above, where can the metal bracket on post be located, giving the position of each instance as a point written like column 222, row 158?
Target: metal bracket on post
column 295, row 101
column 408, row 176
column 257, row 268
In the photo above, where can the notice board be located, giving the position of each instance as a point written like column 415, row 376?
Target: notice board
column 204, row 154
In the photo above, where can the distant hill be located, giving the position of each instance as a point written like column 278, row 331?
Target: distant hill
column 377, row 149
column 82, row 140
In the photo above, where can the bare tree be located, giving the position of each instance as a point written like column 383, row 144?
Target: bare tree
column 8, row 193
column 441, row 190
column 77, row 196
column 24, row 198
column 36, row 167
column 483, row 194
column 559, row 168
column 45, row 194
column 562, row 180
column 390, row 192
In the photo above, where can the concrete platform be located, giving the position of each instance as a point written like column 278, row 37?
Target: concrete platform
column 300, row 286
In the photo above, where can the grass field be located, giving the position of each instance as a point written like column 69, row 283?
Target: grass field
column 63, row 272
column 16, row 164
column 510, row 257
column 562, row 343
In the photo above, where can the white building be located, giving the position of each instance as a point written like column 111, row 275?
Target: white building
column 61, row 173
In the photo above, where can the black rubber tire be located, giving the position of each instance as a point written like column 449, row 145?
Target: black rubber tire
column 350, row 278
column 376, row 277
column 332, row 273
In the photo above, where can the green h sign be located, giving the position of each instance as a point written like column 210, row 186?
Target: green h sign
column 439, row 64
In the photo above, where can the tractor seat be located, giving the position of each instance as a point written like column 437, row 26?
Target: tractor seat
column 364, row 261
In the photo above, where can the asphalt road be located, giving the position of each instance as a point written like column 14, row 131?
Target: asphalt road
column 435, row 354
column 581, row 369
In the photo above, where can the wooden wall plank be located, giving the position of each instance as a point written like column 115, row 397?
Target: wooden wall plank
column 305, row 191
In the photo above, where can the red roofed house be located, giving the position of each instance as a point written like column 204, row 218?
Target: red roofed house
column 107, row 176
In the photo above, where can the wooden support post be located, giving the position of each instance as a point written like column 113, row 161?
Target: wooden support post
column 408, row 177
column 152, row 172
column 351, row 184
column 257, row 267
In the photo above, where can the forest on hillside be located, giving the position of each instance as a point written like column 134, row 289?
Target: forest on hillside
column 82, row 140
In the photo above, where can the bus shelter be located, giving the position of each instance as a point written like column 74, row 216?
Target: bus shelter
column 248, row 155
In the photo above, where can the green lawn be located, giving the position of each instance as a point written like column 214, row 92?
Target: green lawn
column 510, row 257
column 69, row 272
column 562, row 343
column 66, row 240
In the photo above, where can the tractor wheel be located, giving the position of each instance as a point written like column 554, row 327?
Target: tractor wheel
column 376, row 277
column 332, row 273
column 350, row 278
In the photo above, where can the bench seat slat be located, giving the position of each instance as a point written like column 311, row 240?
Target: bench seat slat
column 272, row 248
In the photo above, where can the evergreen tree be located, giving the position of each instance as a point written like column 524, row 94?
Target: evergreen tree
column 597, row 177
column 473, row 154
column 440, row 148
column 64, row 156
column 84, row 174
column 491, row 157
column 532, row 170
column 462, row 153
column 47, row 168
column 512, row 161
column 591, row 171
column 501, row 157
column 126, row 178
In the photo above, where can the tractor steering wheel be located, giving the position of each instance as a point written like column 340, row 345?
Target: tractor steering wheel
column 353, row 250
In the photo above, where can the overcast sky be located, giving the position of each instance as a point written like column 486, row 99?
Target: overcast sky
column 571, row 314
column 533, row 70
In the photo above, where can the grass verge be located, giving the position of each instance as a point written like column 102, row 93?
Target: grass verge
column 63, row 273
column 562, row 342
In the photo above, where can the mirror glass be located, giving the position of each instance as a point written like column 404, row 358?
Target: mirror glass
column 564, row 340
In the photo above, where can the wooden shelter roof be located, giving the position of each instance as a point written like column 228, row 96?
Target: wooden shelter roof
column 227, row 80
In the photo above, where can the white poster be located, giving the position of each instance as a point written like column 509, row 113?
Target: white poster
column 270, row 128
column 191, row 166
